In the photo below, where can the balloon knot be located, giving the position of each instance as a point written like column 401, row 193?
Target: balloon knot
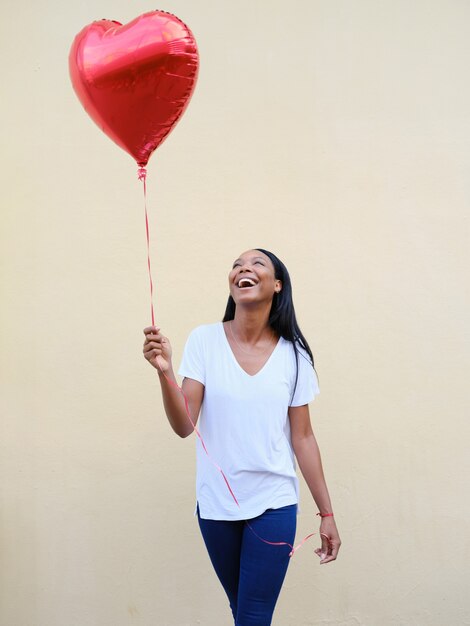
column 142, row 173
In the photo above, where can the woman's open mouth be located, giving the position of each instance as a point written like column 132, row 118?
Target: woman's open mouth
column 246, row 283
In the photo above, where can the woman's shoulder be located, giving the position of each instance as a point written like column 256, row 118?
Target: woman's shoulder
column 291, row 350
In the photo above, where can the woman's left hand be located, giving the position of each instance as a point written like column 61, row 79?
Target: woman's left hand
column 330, row 541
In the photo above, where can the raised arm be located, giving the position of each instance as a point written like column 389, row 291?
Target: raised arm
column 157, row 350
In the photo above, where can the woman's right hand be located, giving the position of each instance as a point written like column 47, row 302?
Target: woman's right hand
column 157, row 349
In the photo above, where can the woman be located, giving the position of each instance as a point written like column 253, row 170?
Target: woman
column 251, row 377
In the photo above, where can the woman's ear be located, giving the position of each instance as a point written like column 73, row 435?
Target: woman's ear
column 278, row 286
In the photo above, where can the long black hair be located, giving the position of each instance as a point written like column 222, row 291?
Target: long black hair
column 282, row 317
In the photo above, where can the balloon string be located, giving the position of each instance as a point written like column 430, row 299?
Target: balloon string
column 142, row 175
column 285, row 543
column 198, row 434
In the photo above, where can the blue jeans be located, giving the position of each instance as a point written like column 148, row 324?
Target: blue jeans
column 251, row 571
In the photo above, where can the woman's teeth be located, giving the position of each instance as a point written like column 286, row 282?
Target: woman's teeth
column 246, row 282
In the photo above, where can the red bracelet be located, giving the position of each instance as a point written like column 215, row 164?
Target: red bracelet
column 325, row 514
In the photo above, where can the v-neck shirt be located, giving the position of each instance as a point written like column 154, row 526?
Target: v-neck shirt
column 245, row 425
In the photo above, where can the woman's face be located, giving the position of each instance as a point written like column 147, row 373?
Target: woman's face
column 252, row 278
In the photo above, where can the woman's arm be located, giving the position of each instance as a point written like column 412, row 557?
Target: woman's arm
column 308, row 457
column 157, row 351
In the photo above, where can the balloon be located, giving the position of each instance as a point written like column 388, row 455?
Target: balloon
column 135, row 80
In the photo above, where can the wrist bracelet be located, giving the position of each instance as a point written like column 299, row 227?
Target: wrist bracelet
column 325, row 514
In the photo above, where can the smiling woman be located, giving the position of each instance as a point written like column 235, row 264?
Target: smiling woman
column 249, row 379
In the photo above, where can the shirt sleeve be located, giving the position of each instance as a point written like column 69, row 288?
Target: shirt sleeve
column 192, row 363
column 307, row 381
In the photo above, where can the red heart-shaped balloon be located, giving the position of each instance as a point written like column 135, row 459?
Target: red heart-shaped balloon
column 135, row 81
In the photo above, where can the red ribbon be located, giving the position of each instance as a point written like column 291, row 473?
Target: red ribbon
column 142, row 175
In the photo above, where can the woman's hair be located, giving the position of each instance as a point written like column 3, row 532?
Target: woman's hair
column 282, row 317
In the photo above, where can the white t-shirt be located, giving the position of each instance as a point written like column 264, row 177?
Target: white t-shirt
column 245, row 425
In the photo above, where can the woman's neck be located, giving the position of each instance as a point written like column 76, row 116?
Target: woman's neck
column 252, row 326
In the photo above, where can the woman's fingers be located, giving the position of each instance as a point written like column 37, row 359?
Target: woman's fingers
column 155, row 346
column 152, row 334
column 151, row 330
column 332, row 553
column 325, row 546
column 153, row 337
column 153, row 341
column 329, row 548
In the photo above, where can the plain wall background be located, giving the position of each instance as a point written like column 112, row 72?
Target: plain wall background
column 335, row 133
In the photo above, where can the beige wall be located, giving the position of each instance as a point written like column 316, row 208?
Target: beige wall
column 335, row 133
